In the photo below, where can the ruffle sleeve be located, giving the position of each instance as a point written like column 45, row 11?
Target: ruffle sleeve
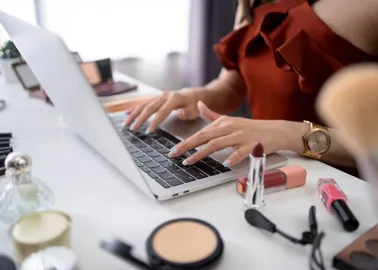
column 312, row 54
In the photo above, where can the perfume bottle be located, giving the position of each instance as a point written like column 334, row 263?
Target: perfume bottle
column 23, row 193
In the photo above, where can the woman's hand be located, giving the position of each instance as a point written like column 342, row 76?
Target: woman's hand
column 239, row 133
column 185, row 101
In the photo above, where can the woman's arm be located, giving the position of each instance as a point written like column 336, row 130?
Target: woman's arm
column 229, row 87
column 337, row 153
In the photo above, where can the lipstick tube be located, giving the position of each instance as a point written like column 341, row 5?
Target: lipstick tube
column 278, row 179
column 254, row 195
column 335, row 202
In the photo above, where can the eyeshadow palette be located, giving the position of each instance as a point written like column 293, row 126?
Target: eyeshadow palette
column 362, row 254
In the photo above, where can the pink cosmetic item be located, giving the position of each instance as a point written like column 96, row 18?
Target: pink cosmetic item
column 278, row 179
column 335, row 201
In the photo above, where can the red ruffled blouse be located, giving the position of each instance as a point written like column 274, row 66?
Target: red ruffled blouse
column 284, row 57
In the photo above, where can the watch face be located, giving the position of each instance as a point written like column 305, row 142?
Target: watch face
column 318, row 142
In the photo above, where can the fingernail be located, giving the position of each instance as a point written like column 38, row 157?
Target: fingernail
column 226, row 163
column 132, row 128
column 185, row 162
column 147, row 132
column 173, row 152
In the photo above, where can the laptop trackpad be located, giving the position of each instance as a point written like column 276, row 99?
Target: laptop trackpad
column 183, row 129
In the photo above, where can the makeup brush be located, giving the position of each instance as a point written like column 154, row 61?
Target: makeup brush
column 349, row 103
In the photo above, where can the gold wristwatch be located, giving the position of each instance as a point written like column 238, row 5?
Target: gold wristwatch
column 316, row 142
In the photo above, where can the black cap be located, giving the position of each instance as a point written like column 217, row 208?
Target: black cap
column 345, row 215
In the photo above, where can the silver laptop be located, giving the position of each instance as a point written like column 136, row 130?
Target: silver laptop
column 141, row 159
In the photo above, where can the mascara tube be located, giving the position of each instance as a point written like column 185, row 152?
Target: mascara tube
column 254, row 195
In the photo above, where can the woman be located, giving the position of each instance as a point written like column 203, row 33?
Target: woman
column 278, row 58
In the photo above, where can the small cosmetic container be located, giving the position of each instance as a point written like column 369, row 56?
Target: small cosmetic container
column 335, row 202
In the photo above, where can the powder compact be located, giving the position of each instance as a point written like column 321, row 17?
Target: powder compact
column 362, row 254
column 177, row 244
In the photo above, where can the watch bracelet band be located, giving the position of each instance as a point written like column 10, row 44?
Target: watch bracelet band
column 307, row 152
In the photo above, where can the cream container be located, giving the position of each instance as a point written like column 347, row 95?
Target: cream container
column 40, row 230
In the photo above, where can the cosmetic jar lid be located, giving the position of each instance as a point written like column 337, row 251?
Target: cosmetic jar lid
column 6, row 263
column 59, row 258
column 184, row 244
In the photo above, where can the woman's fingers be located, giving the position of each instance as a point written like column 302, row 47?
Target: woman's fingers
column 237, row 156
column 132, row 115
column 201, row 137
column 207, row 113
column 147, row 111
column 190, row 113
column 211, row 147
column 162, row 114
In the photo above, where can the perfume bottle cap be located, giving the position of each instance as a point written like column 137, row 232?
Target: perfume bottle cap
column 18, row 163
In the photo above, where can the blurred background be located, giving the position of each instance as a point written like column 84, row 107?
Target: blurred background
column 164, row 43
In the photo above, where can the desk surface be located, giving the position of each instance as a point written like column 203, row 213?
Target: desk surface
column 104, row 205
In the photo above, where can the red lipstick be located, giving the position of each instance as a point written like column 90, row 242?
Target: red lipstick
column 335, row 201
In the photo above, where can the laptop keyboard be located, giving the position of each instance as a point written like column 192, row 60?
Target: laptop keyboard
column 150, row 154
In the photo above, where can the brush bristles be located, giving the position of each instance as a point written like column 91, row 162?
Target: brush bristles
column 349, row 103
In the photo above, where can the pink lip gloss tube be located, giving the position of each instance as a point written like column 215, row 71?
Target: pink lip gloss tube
column 335, row 202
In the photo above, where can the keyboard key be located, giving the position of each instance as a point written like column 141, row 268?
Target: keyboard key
column 138, row 163
column 212, row 163
column 165, row 175
column 152, row 175
column 144, row 159
column 173, row 169
column 162, row 150
column 177, row 160
column 155, row 145
column 153, row 154
column 196, row 173
column 160, row 140
column 151, row 164
column 155, row 136
column 139, row 145
column 148, row 141
column 126, row 137
column 167, row 136
column 137, row 154
column 159, row 159
column 132, row 149
column 145, row 169
column 207, row 159
column 166, row 163
column 133, row 140
column 158, row 170
column 146, row 149
column 174, row 182
column 206, row 169
column 139, row 134
column 168, row 144
column 185, row 177
column 222, row 169
column 193, row 151
column 162, row 183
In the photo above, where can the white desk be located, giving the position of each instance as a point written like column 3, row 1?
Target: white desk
column 103, row 205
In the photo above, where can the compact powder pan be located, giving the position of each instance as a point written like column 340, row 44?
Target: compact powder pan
column 185, row 244
column 177, row 244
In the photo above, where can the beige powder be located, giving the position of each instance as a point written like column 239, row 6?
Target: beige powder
column 184, row 242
